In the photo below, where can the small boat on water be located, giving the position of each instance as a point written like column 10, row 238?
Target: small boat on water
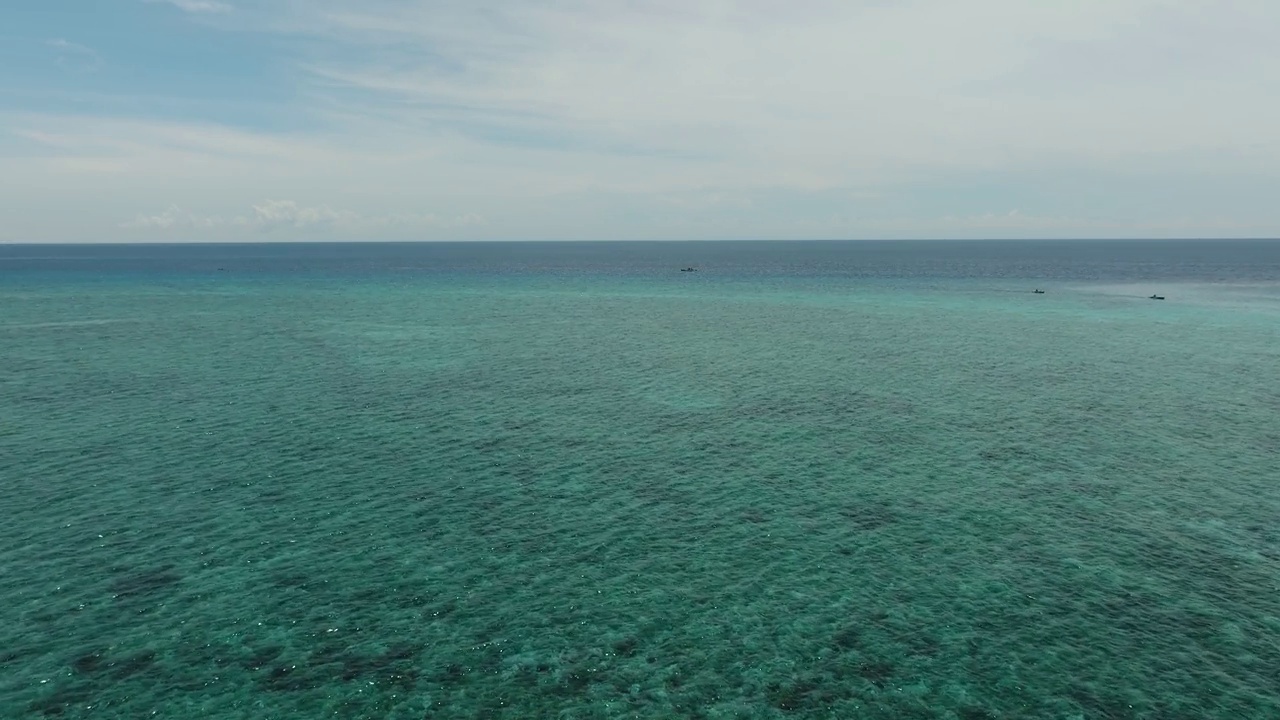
column 1038, row 291
column 1156, row 297
column 689, row 269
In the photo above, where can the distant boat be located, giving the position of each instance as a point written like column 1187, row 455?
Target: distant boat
column 1038, row 292
column 689, row 269
column 1156, row 297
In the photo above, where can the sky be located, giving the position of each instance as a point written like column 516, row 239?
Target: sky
column 281, row 120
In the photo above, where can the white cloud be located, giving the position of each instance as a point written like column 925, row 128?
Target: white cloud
column 1011, row 220
column 165, row 220
column 706, row 118
column 172, row 218
column 287, row 213
column 284, row 215
column 69, row 53
column 833, row 90
column 197, row 6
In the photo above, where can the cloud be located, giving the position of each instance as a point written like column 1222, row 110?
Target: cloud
column 699, row 119
column 1011, row 220
column 284, row 215
column 833, row 90
column 197, row 6
column 287, row 213
column 173, row 217
column 75, row 54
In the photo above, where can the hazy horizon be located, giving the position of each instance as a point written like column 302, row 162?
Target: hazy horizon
column 258, row 240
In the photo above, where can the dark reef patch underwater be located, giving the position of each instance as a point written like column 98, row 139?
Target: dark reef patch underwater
column 820, row 480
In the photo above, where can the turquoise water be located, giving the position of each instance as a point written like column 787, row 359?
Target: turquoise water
column 816, row 480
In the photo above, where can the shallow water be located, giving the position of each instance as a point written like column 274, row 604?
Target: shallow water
column 814, row 480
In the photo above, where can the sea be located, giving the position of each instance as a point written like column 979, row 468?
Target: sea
column 883, row 480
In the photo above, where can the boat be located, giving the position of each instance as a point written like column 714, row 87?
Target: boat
column 1038, row 291
column 689, row 269
column 1156, row 297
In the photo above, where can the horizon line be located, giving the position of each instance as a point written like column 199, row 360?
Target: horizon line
column 116, row 243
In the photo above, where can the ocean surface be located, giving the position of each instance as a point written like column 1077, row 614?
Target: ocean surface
column 567, row 480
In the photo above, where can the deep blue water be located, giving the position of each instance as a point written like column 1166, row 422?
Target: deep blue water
column 1208, row 260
